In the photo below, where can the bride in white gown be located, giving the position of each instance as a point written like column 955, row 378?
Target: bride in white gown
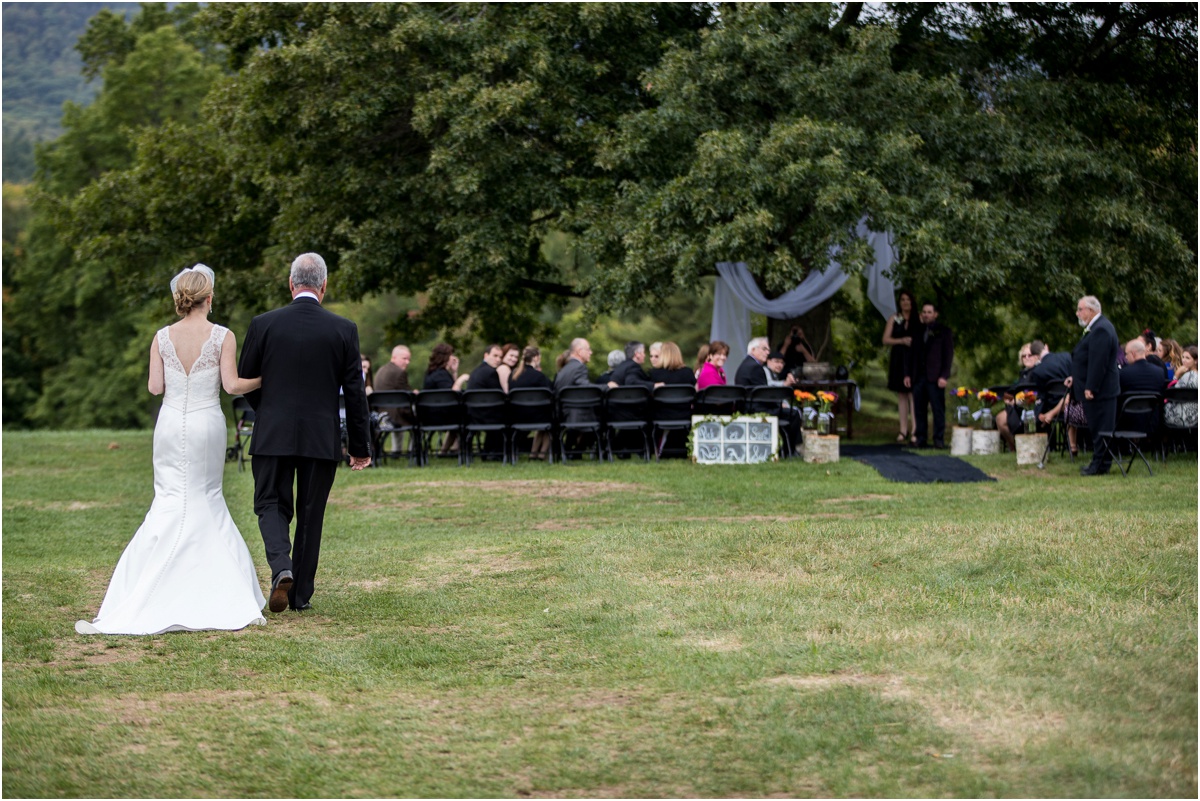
column 187, row 568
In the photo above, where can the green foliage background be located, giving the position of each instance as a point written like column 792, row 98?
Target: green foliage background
column 517, row 172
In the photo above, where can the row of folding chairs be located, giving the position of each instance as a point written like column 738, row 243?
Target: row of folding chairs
column 582, row 420
column 1140, row 427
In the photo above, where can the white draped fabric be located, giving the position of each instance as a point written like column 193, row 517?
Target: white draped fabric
column 737, row 295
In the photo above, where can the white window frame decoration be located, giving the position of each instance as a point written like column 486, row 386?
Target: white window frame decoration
column 734, row 439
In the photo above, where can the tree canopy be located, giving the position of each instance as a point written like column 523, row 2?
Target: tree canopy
column 433, row 148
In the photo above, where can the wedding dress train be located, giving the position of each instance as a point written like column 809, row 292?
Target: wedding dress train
column 187, row 567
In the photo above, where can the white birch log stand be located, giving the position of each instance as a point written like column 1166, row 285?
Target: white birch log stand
column 821, row 449
column 985, row 443
column 1030, row 448
column 960, row 441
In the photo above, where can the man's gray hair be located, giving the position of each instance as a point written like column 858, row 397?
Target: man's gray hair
column 1092, row 302
column 756, row 342
column 615, row 357
column 634, row 347
column 308, row 270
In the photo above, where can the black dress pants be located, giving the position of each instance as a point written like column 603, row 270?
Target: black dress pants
column 276, row 504
column 927, row 393
column 1102, row 419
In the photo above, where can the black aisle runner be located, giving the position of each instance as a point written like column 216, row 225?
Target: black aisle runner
column 900, row 464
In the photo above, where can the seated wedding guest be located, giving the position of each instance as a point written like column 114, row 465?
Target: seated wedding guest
column 615, row 358
column 529, row 375
column 712, row 372
column 1182, row 414
column 366, row 371
column 795, row 349
column 1073, row 416
column 1153, row 345
column 775, row 374
column 1008, row 421
column 654, row 353
column 560, row 361
column 460, row 381
column 701, row 358
column 629, row 372
column 394, row 376
column 574, row 374
column 1139, row 375
column 485, row 375
column 441, row 371
column 1048, row 369
column 752, row 372
column 1170, row 352
column 510, row 355
column 671, row 369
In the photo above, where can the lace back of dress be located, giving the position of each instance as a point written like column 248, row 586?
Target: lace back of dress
column 204, row 380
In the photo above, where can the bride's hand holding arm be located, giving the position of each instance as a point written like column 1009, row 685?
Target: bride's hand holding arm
column 229, row 375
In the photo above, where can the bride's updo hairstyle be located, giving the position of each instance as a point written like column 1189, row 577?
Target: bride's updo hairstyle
column 190, row 288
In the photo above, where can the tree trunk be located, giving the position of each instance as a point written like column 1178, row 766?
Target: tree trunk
column 818, row 330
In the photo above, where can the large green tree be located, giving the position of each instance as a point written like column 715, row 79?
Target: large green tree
column 72, row 326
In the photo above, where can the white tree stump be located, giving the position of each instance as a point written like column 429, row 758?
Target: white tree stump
column 985, row 443
column 821, row 449
column 960, row 441
column 1030, row 448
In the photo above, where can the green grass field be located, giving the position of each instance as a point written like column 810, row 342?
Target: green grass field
column 623, row 630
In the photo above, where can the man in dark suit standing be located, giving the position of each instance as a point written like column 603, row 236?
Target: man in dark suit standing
column 928, row 373
column 305, row 354
column 1094, row 380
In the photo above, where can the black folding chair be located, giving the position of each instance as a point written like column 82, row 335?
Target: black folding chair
column 1137, row 420
column 243, row 428
column 484, row 412
column 579, row 410
column 771, row 400
column 392, row 414
column 627, row 412
column 439, row 411
column 530, row 411
column 1178, row 437
column 670, row 412
column 723, row 399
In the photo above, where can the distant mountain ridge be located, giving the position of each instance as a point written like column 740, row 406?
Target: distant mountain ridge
column 41, row 72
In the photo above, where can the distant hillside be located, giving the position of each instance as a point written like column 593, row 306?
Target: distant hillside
column 41, row 72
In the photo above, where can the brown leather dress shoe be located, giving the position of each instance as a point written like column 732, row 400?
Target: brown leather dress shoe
column 280, row 586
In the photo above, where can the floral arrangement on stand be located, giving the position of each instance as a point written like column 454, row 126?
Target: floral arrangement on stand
column 962, row 414
column 987, row 399
column 825, row 401
column 806, row 402
column 1026, row 401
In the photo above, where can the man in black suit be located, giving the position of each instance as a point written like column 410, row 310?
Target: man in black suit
column 485, row 377
column 629, row 373
column 1141, row 376
column 928, row 373
column 1094, row 380
column 753, row 372
column 305, row 354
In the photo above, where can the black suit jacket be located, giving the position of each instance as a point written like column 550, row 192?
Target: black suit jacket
column 930, row 358
column 630, row 374
column 750, row 373
column 1142, row 376
column 484, row 377
column 1094, row 362
column 305, row 354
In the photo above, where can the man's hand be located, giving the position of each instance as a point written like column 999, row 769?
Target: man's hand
column 613, row 384
column 1087, row 393
column 789, row 380
column 941, row 383
column 359, row 462
column 907, row 382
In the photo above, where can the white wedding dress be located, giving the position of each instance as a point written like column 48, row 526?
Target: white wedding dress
column 187, row 568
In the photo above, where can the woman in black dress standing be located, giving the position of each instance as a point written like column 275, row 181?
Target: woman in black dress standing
column 898, row 335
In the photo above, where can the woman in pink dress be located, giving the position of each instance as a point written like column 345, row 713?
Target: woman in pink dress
column 712, row 373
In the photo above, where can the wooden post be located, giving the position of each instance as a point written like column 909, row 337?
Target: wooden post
column 820, row 449
column 1030, row 448
column 985, row 443
column 960, row 441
